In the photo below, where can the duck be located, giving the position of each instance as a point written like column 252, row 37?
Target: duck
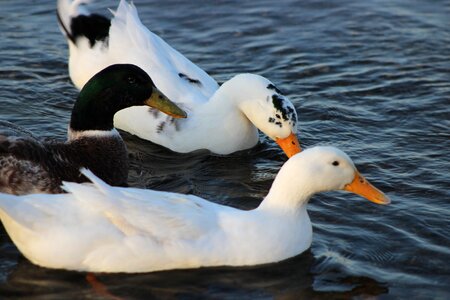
column 96, row 227
column 222, row 118
column 29, row 165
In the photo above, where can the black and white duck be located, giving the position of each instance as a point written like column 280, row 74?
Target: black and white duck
column 223, row 119
column 29, row 165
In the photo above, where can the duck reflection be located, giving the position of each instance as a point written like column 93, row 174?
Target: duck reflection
column 289, row 279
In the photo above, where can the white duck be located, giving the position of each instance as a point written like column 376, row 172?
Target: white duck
column 101, row 228
column 222, row 119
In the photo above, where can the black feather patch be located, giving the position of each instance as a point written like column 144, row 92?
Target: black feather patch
column 160, row 127
column 287, row 112
column 154, row 112
column 274, row 88
column 174, row 122
column 194, row 81
column 94, row 27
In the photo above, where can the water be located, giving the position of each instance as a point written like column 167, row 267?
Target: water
column 369, row 77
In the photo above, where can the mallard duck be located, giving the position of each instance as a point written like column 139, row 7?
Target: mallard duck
column 100, row 228
column 28, row 165
column 222, row 119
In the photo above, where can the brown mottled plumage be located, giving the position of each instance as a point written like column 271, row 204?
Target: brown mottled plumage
column 28, row 165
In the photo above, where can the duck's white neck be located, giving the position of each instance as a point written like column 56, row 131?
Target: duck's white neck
column 222, row 115
column 286, row 197
column 292, row 188
column 233, row 99
column 226, row 97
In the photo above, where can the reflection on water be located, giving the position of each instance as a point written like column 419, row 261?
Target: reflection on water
column 368, row 77
column 289, row 279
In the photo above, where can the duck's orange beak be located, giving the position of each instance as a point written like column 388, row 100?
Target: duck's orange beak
column 290, row 145
column 362, row 187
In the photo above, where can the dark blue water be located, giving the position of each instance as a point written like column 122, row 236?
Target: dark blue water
column 371, row 77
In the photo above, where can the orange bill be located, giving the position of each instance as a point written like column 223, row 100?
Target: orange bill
column 362, row 187
column 290, row 145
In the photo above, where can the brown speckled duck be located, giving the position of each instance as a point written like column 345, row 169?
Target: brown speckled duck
column 28, row 165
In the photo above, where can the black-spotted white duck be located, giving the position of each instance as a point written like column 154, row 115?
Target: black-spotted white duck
column 222, row 119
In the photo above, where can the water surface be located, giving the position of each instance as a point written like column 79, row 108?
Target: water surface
column 370, row 77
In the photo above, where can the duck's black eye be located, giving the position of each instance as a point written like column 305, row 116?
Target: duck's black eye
column 335, row 163
column 131, row 79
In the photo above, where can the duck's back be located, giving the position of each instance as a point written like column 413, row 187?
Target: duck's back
column 28, row 165
column 19, row 174
column 129, row 41
column 176, row 76
column 21, row 177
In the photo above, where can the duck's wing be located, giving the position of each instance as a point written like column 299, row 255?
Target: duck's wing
column 105, row 229
column 179, row 78
column 23, row 167
column 159, row 216
column 23, row 145
column 50, row 230
column 129, row 41
column 17, row 144
column 34, row 213
column 29, row 165
column 22, row 148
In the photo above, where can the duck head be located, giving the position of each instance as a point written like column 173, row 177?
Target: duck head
column 269, row 110
column 115, row 88
column 319, row 169
column 339, row 173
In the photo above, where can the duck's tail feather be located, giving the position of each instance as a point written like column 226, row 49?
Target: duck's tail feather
column 76, row 21
column 127, row 24
column 99, row 184
column 97, row 196
column 65, row 11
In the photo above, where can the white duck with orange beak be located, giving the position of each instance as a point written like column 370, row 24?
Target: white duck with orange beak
column 100, row 228
column 223, row 119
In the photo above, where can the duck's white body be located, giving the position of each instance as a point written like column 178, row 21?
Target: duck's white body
column 221, row 119
column 110, row 229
